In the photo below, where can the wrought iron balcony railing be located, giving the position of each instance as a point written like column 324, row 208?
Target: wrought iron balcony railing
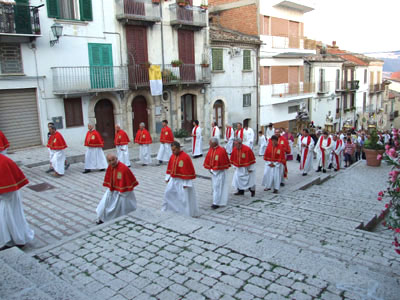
column 376, row 88
column 191, row 17
column 69, row 80
column 292, row 89
column 283, row 41
column 350, row 85
column 143, row 12
column 19, row 19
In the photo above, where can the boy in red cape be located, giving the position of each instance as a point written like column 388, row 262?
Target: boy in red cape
column 180, row 195
column 94, row 157
column 217, row 161
column 143, row 138
column 119, row 199
column 56, row 144
column 244, row 162
column 4, row 144
column 274, row 158
column 121, row 142
column 166, row 139
column 283, row 142
column 14, row 229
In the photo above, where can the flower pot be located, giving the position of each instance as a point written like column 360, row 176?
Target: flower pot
column 371, row 155
column 182, row 4
column 156, row 1
column 204, row 65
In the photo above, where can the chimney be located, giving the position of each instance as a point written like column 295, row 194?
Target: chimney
column 334, row 44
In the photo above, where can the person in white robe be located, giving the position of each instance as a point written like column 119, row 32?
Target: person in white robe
column 229, row 136
column 262, row 143
column 197, row 140
column 94, row 156
column 144, row 145
column 270, row 131
column 323, row 149
column 249, row 137
column 121, row 144
column 306, row 146
column 272, row 171
column 215, row 132
column 337, row 153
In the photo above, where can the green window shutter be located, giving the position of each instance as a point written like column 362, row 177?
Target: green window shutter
column 246, row 60
column 106, row 55
column 217, row 60
column 22, row 17
column 85, row 7
column 95, row 55
column 53, row 10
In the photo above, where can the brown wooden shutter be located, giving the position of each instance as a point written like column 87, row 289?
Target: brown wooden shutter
column 301, row 73
column 266, row 25
column 73, row 112
column 294, row 40
column 279, row 74
column 186, row 46
column 136, row 40
column 265, row 75
column 279, row 27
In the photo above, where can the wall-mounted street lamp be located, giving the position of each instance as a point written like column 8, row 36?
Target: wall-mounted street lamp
column 56, row 29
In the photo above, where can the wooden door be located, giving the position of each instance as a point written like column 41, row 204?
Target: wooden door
column 136, row 40
column 219, row 114
column 104, row 113
column 139, row 113
column 188, row 114
column 186, row 55
column 293, row 79
column 101, row 66
column 294, row 39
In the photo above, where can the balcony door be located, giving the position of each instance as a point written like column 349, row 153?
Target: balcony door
column 104, row 113
column 186, row 55
column 139, row 113
column 134, row 7
column 188, row 112
column 293, row 80
column 136, row 40
column 185, row 15
column 22, row 17
column 294, row 39
column 101, row 66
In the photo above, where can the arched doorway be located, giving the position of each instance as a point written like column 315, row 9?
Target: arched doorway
column 218, row 114
column 104, row 114
column 188, row 112
column 139, row 113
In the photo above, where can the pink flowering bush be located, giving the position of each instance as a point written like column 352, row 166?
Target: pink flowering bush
column 392, row 211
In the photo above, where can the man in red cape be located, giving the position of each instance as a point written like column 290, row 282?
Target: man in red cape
column 244, row 162
column 240, row 131
column 274, row 157
column 143, row 138
column 323, row 148
column 166, row 138
column 283, row 142
column 217, row 161
column 121, row 142
column 180, row 194
column 4, row 144
column 56, row 144
column 14, row 229
column 94, row 157
column 119, row 199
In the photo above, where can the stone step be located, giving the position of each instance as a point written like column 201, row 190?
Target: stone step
column 22, row 277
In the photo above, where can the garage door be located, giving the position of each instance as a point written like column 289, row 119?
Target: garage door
column 19, row 117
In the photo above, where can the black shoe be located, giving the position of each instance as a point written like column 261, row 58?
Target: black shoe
column 253, row 193
column 99, row 222
column 323, row 171
column 319, row 169
column 102, row 170
column 214, row 206
column 50, row 170
column 67, row 166
column 330, row 166
column 275, row 192
column 304, row 174
column 86, row 171
column 160, row 162
column 282, row 184
column 239, row 192
column 335, row 170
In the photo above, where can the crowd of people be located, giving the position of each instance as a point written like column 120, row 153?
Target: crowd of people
column 276, row 146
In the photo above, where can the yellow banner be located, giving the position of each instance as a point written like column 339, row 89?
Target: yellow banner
column 155, row 72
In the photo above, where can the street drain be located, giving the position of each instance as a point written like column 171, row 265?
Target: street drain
column 41, row 187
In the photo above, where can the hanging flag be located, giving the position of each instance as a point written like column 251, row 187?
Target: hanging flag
column 156, row 87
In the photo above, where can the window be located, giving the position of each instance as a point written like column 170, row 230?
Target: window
column 337, row 105
column 365, row 75
column 246, row 60
column 345, row 102
column 246, row 100
column 217, row 59
column 364, row 102
column 73, row 112
column 352, row 102
column 265, row 75
column 337, row 79
column 10, row 59
column 293, row 109
column 321, row 80
column 70, row 9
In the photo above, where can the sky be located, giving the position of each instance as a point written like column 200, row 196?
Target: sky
column 356, row 25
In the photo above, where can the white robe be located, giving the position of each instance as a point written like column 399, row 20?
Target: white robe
column 178, row 199
column 4, row 152
column 270, row 132
column 14, row 229
column 326, row 153
column 220, row 187
column 123, row 155
column 145, row 154
column 339, row 153
column 229, row 141
column 262, row 145
column 95, row 159
column 57, row 161
column 306, row 162
column 199, row 143
column 164, row 153
column 115, row 204
column 272, row 175
column 243, row 179
column 248, row 137
column 217, row 133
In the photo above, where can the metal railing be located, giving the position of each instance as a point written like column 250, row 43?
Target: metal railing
column 324, row 87
column 67, row 80
column 375, row 88
column 19, row 19
column 184, row 74
column 292, row 89
column 350, row 85
column 290, row 41
column 138, row 10
column 188, row 15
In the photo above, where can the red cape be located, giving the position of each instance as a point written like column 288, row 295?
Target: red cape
column 56, row 142
column 120, row 179
column 228, row 133
column 94, row 139
column 143, row 137
column 12, row 178
column 121, row 138
column 243, row 157
column 283, row 142
column 181, row 166
column 275, row 154
column 239, row 133
column 167, row 135
column 217, row 159
column 4, row 144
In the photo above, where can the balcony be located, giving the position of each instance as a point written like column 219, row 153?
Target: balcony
column 75, row 80
column 348, row 86
column 376, row 88
column 325, row 87
column 18, row 23
column 188, row 17
column 303, row 6
column 138, row 12
column 292, row 89
column 184, row 74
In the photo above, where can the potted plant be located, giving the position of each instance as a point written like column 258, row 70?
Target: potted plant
column 373, row 150
column 176, row 63
column 204, row 6
column 205, row 64
column 147, row 65
column 181, row 2
column 156, row 1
